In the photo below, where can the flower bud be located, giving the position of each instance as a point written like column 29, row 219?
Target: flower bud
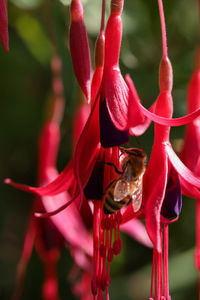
column 79, row 48
column 4, row 25
column 117, row 6
column 165, row 75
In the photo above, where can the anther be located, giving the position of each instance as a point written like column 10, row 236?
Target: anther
column 117, row 246
column 103, row 223
column 118, row 217
column 107, row 223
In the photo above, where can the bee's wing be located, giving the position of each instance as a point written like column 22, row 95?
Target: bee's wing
column 137, row 195
column 122, row 189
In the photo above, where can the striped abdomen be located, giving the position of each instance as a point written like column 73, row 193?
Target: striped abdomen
column 110, row 206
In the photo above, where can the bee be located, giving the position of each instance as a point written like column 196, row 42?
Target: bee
column 129, row 184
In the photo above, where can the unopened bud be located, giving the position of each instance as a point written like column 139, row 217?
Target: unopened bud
column 117, row 6
column 76, row 11
column 99, row 51
column 165, row 75
column 79, row 48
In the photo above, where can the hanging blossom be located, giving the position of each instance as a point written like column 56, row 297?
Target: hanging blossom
column 192, row 145
column 115, row 113
column 50, row 235
column 103, row 251
column 4, row 25
column 161, row 185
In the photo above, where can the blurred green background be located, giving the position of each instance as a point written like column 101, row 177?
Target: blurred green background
column 36, row 29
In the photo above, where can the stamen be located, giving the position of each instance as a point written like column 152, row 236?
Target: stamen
column 152, row 275
column 100, row 295
column 165, row 258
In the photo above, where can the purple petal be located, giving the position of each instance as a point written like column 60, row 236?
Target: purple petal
column 172, row 203
column 110, row 136
column 94, row 187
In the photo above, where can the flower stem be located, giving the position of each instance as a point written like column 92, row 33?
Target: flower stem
column 163, row 28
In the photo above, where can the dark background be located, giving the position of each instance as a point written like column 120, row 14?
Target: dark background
column 36, row 29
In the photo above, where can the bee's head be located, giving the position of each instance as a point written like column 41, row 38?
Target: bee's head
column 135, row 152
column 137, row 158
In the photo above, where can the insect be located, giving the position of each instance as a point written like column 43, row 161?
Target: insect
column 129, row 184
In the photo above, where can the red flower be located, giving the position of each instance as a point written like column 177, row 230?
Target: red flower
column 4, row 25
column 79, row 48
column 190, row 153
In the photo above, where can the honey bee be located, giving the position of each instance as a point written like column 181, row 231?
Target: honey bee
column 129, row 184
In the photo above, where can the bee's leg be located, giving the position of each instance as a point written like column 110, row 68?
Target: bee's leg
column 113, row 165
column 110, row 164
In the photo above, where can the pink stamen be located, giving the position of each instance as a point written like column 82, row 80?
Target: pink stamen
column 107, row 294
column 159, row 275
column 100, row 295
column 152, row 275
column 165, row 258
column 155, row 274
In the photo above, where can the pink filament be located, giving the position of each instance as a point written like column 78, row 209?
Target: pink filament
column 159, row 276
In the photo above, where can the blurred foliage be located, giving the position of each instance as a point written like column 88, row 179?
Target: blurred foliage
column 38, row 29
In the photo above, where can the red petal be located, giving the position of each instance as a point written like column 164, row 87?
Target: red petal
column 80, row 119
column 79, row 48
column 137, row 230
column 57, row 186
column 48, row 148
column 181, row 168
column 166, row 121
column 87, row 148
column 189, row 190
column 115, row 92
column 4, row 25
column 75, row 232
column 129, row 214
column 154, row 186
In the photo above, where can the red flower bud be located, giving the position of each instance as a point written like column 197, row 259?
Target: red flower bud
column 79, row 48
column 4, row 25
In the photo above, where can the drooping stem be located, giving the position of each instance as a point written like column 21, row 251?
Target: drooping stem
column 163, row 28
column 102, row 16
column 199, row 17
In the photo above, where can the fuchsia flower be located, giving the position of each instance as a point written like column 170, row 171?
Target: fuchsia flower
column 4, row 25
column 190, row 153
column 49, row 235
column 161, row 185
column 116, row 112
